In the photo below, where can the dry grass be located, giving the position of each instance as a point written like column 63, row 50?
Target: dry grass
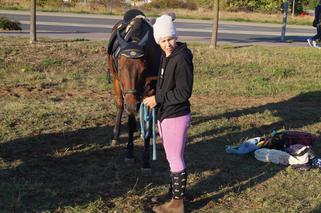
column 57, row 117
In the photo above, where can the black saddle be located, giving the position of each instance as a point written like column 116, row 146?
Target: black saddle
column 125, row 30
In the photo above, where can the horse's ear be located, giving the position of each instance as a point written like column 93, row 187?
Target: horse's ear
column 152, row 21
column 172, row 14
column 144, row 39
column 122, row 42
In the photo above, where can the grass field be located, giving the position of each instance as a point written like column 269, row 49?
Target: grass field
column 57, row 113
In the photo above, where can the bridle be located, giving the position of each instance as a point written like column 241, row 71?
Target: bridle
column 133, row 50
column 131, row 91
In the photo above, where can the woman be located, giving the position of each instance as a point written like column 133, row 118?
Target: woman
column 313, row 41
column 174, row 88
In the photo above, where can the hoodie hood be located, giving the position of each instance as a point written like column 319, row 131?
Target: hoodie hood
column 181, row 48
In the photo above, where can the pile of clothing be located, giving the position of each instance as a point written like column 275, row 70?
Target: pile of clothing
column 282, row 147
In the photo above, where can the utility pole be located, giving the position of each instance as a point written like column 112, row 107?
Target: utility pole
column 215, row 24
column 293, row 8
column 111, row 7
column 285, row 16
column 33, row 36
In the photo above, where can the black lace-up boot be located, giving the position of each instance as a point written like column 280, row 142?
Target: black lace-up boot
column 176, row 205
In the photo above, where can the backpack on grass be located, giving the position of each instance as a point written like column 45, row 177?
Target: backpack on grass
column 282, row 139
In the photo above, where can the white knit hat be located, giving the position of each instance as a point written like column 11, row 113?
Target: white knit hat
column 164, row 27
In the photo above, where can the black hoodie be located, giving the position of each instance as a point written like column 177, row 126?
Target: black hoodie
column 175, row 83
column 317, row 15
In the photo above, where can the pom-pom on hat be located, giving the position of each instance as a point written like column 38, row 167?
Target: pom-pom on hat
column 164, row 27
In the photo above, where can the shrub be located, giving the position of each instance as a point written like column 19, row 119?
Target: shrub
column 162, row 4
column 310, row 4
column 51, row 3
column 205, row 3
column 268, row 6
column 298, row 7
column 6, row 24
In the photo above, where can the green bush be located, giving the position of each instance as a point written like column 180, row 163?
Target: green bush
column 56, row 3
column 43, row 3
column 205, row 3
column 268, row 6
column 298, row 7
column 6, row 24
column 162, row 4
column 310, row 4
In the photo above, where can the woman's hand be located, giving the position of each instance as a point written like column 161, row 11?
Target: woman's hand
column 150, row 101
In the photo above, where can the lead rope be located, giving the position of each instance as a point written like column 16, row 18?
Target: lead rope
column 144, row 116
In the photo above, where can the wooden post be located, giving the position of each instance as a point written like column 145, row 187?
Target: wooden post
column 215, row 24
column 33, row 36
column 285, row 16
column 111, row 7
column 293, row 8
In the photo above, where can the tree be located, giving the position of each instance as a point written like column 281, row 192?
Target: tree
column 215, row 24
column 33, row 36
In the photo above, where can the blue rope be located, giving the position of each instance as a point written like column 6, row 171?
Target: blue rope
column 144, row 116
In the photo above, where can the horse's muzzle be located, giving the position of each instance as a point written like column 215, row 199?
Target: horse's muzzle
column 131, row 109
column 131, row 102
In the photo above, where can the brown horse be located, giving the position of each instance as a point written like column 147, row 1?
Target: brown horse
column 133, row 60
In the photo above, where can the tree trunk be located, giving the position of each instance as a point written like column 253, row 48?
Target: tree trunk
column 33, row 36
column 215, row 24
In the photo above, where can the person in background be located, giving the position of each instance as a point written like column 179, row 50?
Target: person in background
column 173, row 90
column 313, row 41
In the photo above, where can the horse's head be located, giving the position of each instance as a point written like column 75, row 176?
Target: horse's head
column 131, row 71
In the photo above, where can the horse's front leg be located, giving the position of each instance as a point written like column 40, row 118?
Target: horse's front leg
column 130, row 145
column 116, row 130
column 120, row 109
column 146, row 169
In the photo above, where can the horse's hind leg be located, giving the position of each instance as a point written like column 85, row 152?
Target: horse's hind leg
column 130, row 145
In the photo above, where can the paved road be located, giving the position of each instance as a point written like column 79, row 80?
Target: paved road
column 98, row 27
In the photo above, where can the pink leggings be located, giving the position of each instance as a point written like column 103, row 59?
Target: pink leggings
column 173, row 132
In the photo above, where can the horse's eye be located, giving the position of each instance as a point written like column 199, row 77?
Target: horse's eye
column 143, row 74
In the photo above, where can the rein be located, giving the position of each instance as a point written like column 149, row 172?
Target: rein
column 145, row 116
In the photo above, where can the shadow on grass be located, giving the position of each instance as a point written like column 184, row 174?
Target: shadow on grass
column 71, row 169
column 316, row 209
column 235, row 173
column 54, row 171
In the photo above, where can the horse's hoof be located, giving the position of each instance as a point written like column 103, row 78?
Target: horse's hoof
column 146, row 172
column 130, row 160
column 113, row 142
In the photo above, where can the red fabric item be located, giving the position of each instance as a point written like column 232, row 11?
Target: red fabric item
column 298, row 137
